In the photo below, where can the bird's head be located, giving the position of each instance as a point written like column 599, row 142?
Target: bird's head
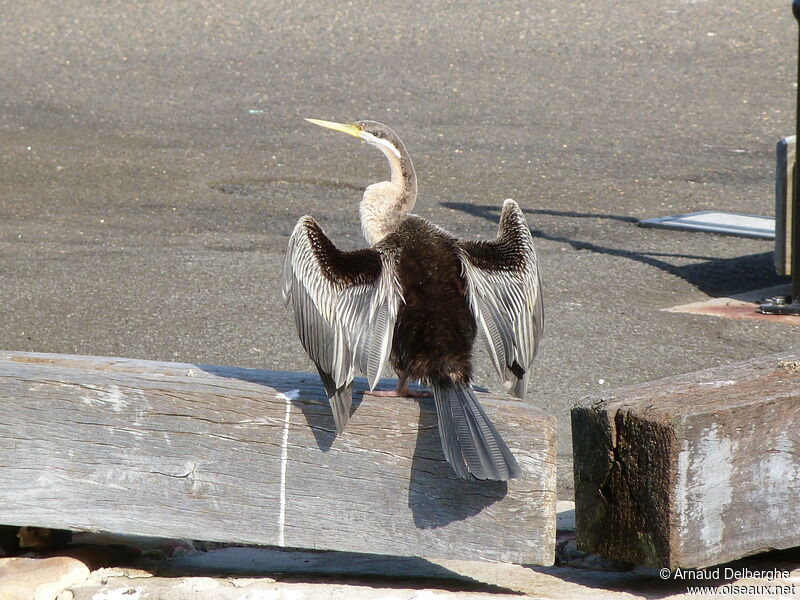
column 386, row 203
column 375, row 134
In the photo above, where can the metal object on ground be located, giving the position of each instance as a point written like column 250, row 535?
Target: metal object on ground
column 739, row 306
column 784, row 170
column 713, row 221
column 790, row 305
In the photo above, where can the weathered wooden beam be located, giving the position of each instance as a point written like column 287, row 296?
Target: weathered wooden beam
column 251, row 456
column 691, row 471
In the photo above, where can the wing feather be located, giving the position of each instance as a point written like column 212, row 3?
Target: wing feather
column 345, row 307
column 505, row 294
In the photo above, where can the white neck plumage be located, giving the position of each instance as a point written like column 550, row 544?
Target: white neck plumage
column 387, row 203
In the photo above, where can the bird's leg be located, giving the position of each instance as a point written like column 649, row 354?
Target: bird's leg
column 401, row 391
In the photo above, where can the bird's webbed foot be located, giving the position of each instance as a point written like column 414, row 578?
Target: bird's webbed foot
column 401, row 391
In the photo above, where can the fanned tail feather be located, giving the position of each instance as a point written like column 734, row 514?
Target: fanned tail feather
column 470, row 442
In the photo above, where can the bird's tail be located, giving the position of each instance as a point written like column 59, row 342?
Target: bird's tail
column 470, row 442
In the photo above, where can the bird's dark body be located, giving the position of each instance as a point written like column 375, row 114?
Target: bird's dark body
column 435, row 329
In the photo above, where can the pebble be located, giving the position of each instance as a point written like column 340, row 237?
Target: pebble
column 40, row 578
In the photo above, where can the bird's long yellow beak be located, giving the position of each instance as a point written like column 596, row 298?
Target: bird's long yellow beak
column 343, row 127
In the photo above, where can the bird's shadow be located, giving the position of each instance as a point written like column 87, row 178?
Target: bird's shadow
column 436, row 496
column 319, row 418
column 711, row 275
column 314, row 407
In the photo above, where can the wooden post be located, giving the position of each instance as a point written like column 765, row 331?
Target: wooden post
column 251, row 456
column 691, row 471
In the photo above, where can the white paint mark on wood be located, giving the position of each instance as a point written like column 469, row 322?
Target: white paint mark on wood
column 682, row 499
column 288, row 396
column 784, row 444
column 704, row 484
column 781, row 470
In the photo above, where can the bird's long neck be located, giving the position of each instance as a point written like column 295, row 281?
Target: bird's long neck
column 404, row 177
column 386, row 204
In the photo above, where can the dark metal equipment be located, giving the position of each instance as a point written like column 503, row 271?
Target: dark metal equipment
column 790, row 305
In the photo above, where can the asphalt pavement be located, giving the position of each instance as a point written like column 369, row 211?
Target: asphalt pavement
column 154, row 162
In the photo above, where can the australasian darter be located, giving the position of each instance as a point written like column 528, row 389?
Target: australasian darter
column 416, row 298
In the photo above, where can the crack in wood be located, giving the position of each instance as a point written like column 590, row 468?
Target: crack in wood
column 188, row 472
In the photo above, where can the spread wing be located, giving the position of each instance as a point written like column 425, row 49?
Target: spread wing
column 506, row 297
column 345, row 307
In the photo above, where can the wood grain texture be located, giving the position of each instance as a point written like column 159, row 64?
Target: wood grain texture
column 237, row 455
column 691, row 471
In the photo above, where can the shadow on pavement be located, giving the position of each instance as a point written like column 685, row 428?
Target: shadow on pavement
column 322, row 566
